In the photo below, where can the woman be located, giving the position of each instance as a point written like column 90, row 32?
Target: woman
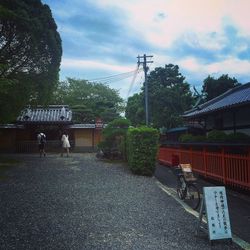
column 65, row 144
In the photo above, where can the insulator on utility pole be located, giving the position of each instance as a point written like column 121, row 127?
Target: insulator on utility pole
column 145, row 69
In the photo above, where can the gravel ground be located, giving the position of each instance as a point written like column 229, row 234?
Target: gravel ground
column 82, row 203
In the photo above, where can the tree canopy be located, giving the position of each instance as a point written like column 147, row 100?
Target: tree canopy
column 168, row 94
column 214, row 87
column 30, row 55
column 135, row 109
column 89, row 100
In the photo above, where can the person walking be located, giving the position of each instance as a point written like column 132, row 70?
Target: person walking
column 41, row 138
column 65, row 144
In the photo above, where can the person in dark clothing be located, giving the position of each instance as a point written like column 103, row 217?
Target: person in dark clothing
column 41, row 137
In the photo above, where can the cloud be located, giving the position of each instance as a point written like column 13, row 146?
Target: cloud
column 88, row 64
column 202, row 37
column 198, row 71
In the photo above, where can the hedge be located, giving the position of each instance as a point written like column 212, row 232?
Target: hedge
column 142, row 147
column 216, row 136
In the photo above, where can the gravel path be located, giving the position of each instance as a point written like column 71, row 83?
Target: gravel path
column 82, row 203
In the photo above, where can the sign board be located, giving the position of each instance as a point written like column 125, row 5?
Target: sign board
column 98, row 123
column 215, row 201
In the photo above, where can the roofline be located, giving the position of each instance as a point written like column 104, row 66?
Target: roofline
column 216, row 99
column 215, row 110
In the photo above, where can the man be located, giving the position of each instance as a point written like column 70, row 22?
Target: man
column 41, row 137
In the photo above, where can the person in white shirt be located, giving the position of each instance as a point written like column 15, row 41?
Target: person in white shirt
column 65, row 144
column 41, row 138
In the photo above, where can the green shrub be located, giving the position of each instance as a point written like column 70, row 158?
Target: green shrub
column 186, row 138
column 199, row 138
column 192, row 138
column 238, row 137
column 113, row 138
column 142, row 147
column 216, row 136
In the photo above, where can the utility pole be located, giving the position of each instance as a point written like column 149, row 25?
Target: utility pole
column 145, row 69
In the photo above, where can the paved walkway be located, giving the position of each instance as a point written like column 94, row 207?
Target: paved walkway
column 82, row 203
column 238, row 203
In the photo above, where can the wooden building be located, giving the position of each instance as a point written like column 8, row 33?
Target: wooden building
column 229, row 112
column 227, row 163
column 53, row 120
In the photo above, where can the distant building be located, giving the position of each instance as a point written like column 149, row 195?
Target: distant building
column 229, row 112
column 53, row 120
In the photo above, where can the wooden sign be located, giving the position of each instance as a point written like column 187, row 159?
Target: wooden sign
column 216, row 208
column 99, row 123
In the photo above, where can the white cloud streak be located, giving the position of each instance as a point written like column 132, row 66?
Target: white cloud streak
column 93, row 65
column 163, row 24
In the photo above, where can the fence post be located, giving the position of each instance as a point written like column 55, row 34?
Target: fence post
column 223, row 165
column 191, row 152
column 205, row 160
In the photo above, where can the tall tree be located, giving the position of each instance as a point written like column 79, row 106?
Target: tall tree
column 135, row 109
column 214, row 87
column 89, row 100
column 30, row 55
column 168, row 94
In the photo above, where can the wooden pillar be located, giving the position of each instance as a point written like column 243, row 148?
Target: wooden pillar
column 205, row 160
column 234, row 121
column 223, row 165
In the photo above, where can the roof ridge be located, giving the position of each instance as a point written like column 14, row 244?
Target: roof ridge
column 218, row 98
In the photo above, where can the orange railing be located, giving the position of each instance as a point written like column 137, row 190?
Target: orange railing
column 226, row 167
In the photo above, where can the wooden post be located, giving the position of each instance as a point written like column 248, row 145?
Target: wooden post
column 205, row 160
column 223, row 165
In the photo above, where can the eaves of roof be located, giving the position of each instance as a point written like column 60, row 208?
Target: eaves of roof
column 235, row 97
column 53, row 114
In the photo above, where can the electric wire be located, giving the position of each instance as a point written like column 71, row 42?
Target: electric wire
column 114, row 77
column 133, row 81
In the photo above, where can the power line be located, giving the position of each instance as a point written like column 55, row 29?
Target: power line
column 130, row 73
column 120, row 78
column 133, row 80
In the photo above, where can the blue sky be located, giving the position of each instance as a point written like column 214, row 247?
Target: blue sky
column 104, row 37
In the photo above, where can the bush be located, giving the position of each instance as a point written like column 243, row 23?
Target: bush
column 142, row 147
column 186, row 138
column 192, row 138
column 112, row 144
column 238, row 137
column 216, row 136
column 199, row 138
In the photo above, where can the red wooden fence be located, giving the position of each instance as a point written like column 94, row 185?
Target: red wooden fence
column 228, row 168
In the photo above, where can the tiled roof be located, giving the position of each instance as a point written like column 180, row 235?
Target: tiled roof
column 50, row 114
column 237, row 96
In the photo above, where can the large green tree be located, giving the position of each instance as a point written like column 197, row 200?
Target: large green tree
column 168, row 94
column 135, row 109
column 30, row 55
column 214, row 87
column 89, row 100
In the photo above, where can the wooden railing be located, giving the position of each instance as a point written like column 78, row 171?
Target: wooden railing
column 220, row 164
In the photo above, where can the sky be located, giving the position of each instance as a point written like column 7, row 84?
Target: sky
column 103, row 38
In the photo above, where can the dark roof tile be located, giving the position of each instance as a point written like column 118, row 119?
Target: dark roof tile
column 234, row 97
column 50, row 114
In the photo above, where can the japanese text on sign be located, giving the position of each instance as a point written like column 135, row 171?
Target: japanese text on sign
column 217, row 213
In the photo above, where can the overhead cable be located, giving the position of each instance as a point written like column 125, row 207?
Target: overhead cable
column 113, row 76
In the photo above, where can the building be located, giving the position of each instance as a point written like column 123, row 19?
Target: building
column 226, row 163
column 229, row 112
column 53, row 120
